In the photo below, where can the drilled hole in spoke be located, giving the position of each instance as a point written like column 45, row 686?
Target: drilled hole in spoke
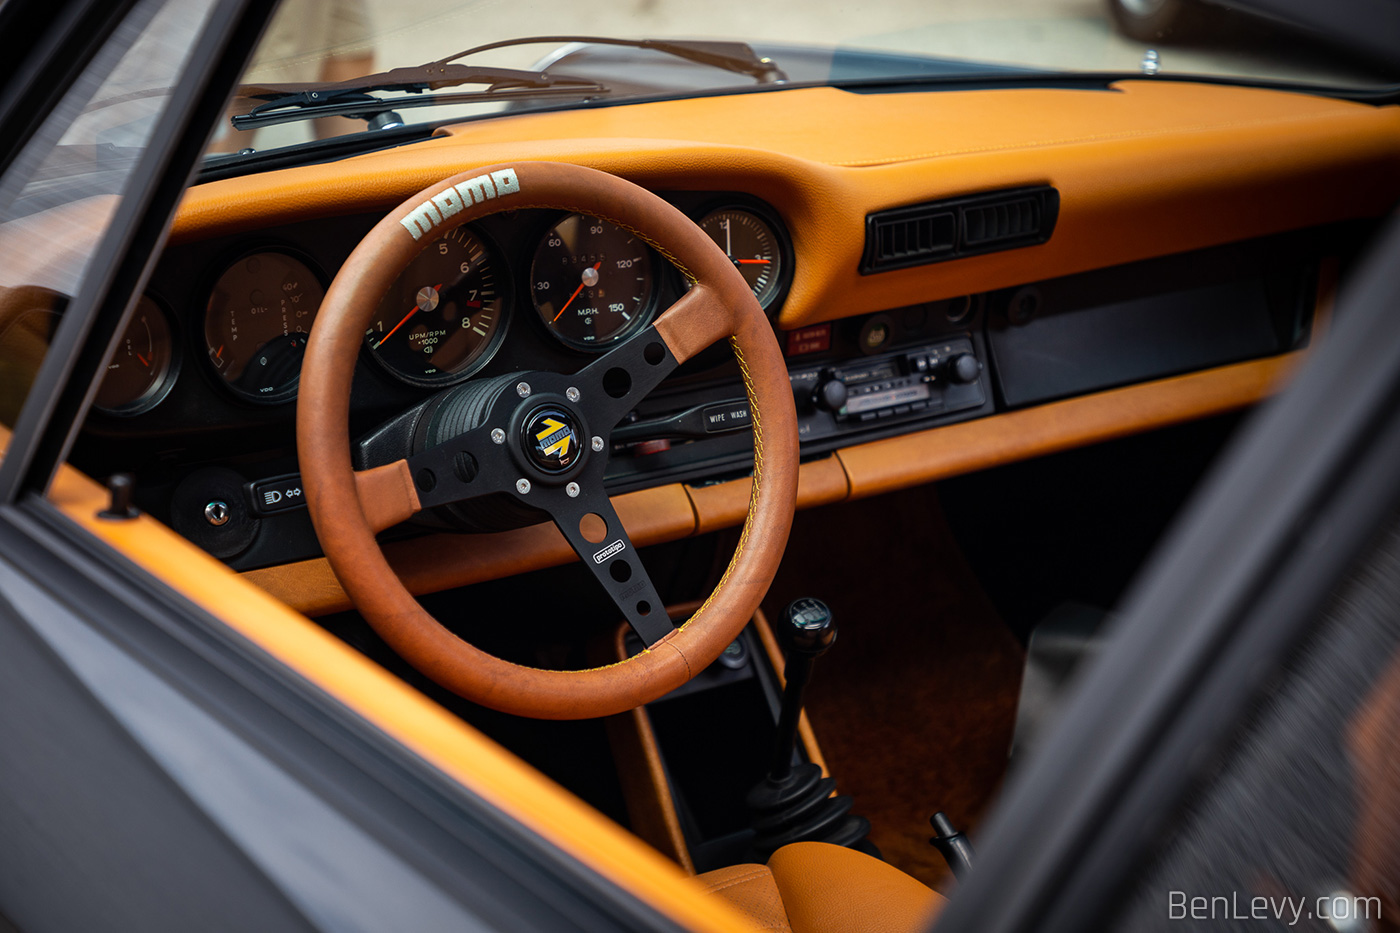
column 644, row 608
column 621, row 571
column 617, row 382
column 654, row 353
column 465, row 466
column 593, row 528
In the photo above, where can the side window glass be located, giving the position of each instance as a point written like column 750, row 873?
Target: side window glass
column 60, row 194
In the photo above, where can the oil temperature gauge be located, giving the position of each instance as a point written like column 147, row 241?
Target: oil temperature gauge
column 256, row 324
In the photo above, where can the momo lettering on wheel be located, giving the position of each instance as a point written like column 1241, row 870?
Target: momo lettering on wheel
column 423, row 218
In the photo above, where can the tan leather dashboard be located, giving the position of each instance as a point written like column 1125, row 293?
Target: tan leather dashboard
column 1145, row 168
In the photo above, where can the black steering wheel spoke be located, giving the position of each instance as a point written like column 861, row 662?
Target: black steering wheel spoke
column 465, row 467
column 591, row 526
column 617, row 381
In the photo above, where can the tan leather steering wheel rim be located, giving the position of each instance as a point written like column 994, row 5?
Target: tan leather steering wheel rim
column 719, row 305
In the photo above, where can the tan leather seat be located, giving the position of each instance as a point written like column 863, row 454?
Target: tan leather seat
column 812, row 887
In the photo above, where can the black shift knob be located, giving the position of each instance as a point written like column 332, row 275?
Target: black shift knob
column 811, row 628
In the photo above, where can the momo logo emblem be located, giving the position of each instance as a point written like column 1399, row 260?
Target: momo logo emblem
column 423, row 218
column 551, row 440
column 555, row 438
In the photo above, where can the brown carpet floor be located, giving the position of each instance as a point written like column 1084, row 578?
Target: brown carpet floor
column 915, row 703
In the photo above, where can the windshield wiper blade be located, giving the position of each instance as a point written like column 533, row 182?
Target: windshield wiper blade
column 735, row 57
column 288, row 103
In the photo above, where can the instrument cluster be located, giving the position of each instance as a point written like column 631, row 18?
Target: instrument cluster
column 579, row 283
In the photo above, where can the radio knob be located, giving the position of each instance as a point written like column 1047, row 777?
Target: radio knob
column 962, row 368
column 831, row 395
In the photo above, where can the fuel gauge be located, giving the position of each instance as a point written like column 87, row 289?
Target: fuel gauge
column 142, row 368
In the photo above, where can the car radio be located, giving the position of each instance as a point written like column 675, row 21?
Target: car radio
column 933, row 379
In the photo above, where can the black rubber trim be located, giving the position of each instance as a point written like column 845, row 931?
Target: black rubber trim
column 1308, row 483
column 459, row 841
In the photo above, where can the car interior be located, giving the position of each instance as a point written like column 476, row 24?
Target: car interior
column 892, row 391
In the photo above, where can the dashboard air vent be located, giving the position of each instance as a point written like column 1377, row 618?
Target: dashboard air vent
column 941, row 230
column 913, row 235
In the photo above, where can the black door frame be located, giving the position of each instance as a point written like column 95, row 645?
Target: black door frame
column 498, row 870
column 119, row 269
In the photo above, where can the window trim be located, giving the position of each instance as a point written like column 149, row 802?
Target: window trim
column 62, row 37
column 122, row 263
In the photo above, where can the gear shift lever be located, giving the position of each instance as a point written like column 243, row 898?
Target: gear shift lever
column 810, row 630
column 795, row 804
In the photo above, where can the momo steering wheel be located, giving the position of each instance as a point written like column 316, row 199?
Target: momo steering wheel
column 540, row 441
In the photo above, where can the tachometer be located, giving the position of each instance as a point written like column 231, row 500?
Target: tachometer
column 256, row 323
column 753, row 246
column 142, row 367
column 438, row 322
column 592, row 282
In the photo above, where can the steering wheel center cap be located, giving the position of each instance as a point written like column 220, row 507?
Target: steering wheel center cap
column 550, row 438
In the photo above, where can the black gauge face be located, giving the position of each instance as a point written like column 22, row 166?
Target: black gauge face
column 143, row 367
column 592, row 282
column 256, row 323
column 439, row 321
column 752, row 244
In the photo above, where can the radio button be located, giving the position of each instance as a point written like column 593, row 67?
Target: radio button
column 832, row 395
column 962, row 368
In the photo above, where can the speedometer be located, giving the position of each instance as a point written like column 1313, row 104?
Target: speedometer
column 592, row 282
column 438, row 323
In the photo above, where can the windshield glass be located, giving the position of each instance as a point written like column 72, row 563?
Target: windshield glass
column 327, row 41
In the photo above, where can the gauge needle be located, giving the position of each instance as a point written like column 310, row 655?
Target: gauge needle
column 575, row 294
column 144, row 362
column 411, row 311
column 749, row 262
